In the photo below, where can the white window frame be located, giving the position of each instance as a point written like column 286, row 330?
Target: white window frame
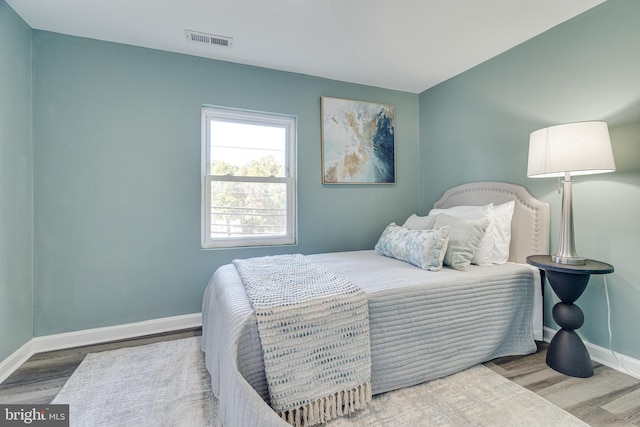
column 256, row 118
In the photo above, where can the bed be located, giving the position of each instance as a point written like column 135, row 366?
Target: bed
column 423, row 324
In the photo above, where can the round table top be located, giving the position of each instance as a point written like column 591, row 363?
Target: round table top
column 590, row 266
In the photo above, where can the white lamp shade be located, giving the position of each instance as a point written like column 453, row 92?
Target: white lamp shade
column 579, row 148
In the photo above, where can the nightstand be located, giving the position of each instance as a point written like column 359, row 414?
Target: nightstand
column 567, row 353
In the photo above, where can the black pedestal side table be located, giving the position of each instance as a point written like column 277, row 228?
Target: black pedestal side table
column 567, row 353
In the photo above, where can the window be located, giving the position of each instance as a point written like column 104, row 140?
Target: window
column 248, row 168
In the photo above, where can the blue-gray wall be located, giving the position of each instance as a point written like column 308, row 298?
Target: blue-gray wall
column 117, row 177
column 16, row 208
column 476, row 127
column 115, row 164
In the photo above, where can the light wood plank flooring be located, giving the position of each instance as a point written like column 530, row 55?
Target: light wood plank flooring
column 609, row 398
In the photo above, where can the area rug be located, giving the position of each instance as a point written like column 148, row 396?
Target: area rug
column 474, row 397
column 161, row 384
column 167, row 384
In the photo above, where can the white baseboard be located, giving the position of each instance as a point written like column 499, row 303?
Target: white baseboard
column 96, row 336
column 114, row 333
column 605, row 356
column 15, row 360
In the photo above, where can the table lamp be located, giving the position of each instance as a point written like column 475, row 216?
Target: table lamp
column 571, row 149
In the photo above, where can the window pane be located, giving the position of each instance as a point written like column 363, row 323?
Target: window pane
column 242, row 149
column 242, row 209
column 249, row 184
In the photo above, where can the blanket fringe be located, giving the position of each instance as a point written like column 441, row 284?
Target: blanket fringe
column 327, row 408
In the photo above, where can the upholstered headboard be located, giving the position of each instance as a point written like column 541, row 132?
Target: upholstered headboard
column 530, row 223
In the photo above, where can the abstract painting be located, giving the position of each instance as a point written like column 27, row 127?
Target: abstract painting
column 357, row 142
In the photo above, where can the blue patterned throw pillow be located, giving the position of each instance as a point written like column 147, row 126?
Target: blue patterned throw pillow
column 423, row 248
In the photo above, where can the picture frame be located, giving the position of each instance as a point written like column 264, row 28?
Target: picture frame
column 358, row 142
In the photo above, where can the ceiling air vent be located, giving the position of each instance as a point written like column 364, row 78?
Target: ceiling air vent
column 197, row 37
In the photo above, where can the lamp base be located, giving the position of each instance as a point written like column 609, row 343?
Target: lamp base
column 566, row 253
column 569, row 260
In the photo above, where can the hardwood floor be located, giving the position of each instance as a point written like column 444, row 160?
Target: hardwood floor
column 609, row 398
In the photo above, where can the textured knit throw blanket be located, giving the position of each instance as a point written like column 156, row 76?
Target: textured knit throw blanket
column 314, row 329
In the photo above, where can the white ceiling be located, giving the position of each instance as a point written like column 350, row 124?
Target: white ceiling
column 408, row 45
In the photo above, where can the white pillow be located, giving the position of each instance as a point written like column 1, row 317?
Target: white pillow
column 494, row 247
column 466, row 212
column 484, row 251
column 502, row 216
